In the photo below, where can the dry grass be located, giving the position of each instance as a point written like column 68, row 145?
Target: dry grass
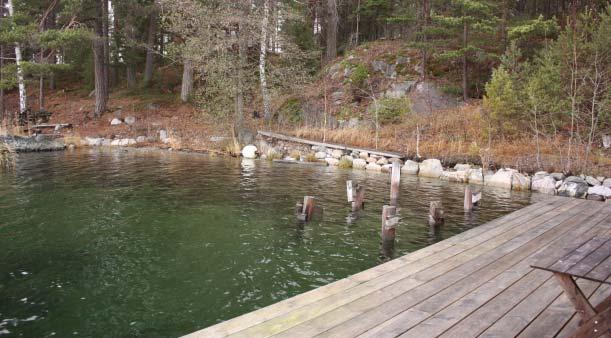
column 460, row 136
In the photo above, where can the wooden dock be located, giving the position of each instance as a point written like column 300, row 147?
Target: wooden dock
column 478, row 283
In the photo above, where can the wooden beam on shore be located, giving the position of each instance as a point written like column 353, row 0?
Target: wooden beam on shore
column 330, row 145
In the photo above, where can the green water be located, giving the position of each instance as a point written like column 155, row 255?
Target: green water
column 132, row 244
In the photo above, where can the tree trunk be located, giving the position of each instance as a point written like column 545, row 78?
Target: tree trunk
column 150, row 45
column 20, row 79
column 99, row 61
column 465, row 60
column 242, row 46
column 106, row 63
column 187, row 80
column 130, row 70
column 331, row 30
column 2, row 117
column 426, row 13
column 262, row 58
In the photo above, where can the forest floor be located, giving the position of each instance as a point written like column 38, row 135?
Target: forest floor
column 453, row 134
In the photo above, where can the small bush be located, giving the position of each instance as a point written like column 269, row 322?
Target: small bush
column 295, row 154
column 273, row 155
column 345, row 163
column 359, row 76
column 291, row 111
column 310, row 157
column 391, row 110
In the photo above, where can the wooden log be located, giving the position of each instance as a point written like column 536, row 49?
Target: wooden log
column 359, row 198
column 350, row 191
column 436, row 213
column 468, row 199
column 395, row 180
column 308, row 207
column 390, row 220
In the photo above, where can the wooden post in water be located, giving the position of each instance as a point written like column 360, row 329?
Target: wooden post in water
column 307, row 209
column 356, row 195
column 395, row 180
column 468, row 199
column 436, row 213
column 390, row 220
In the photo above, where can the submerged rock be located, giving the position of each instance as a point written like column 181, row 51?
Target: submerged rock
column 430, row 168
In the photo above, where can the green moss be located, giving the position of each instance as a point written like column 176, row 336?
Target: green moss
column 359, row 75
column 291, row 111
column 344, row 163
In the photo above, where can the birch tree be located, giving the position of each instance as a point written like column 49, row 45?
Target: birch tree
column 18, row 59
column 262, row 59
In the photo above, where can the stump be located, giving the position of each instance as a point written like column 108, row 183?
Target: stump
column 390, row 220
column 307, row 209
column 436, row 213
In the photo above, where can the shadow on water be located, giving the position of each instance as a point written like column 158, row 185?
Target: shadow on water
column 156, row 244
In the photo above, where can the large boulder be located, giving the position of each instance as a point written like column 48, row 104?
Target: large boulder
column 359, row 163
column 410, row 168
column 320, row 155
column 430, row 168
column 502, row 179
column 573, row 186
column 387, row 168
column 250, row 151
column 115, row 122
column 520, row 182
column 374, row 167
column 558, row 176
column 462, row 167
column 130, row 120
column 592, row 181
column 544, row 184
column 476, row 176
column 382, row 161
column 461, row 176
column 94, row 141
column 364, row 155
column 607, row 183
column 399, row 90
column 332, row 161
column 336, row 153
column 601, row 191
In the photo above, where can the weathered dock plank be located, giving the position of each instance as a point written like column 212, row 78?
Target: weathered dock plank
column 477, row 283
column 330, row 145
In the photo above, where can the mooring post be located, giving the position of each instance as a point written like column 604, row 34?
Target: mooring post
column 389, row 222
column 436, row 213
column 359, row 198
column 468, row 199
column 395, row 180
column 306, row 209
column 350, row 191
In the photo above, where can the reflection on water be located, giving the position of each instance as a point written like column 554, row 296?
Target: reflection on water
column 118, row 244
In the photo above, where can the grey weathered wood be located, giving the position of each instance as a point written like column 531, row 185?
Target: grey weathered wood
column 468, row 203
column 330, row 145
column 389, row 223
column 576, row 296
column 350, row 191
column 359, row 198
column 436, row 213
column 395, row 181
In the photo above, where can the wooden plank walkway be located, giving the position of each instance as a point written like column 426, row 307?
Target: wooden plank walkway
column 331, row 145
column 476, row 284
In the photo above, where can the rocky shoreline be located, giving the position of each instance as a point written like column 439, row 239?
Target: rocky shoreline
column 582, row 186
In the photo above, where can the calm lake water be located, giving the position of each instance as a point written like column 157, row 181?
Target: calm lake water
column 157, row 244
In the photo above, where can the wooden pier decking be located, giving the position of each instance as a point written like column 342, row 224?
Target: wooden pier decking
column 478, row 283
